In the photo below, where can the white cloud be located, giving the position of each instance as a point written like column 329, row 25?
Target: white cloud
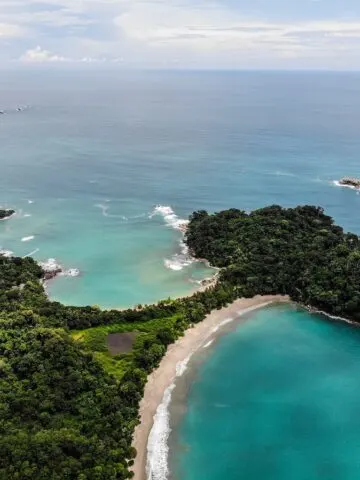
column 212, row 25
column 39, row 55
column 155, row 32
column 8, row 30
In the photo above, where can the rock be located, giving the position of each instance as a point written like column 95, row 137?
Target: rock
column 6, row 214
column 350, row 182
column 50, row 274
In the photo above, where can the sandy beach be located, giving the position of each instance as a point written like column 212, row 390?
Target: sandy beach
column 164, row 376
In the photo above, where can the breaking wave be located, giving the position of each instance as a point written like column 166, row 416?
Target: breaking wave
column 207, row 344
column 338, row 184
column 51, row 265
column 183, row 258
column 157, row 448
column 221, row 324
column 28, row 239
column 170, row 217
column 6, row 253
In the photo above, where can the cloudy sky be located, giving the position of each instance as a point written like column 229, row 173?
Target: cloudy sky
column 294, row 34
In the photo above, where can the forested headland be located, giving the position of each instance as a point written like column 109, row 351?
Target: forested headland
column 295, row 251
column 69, row 408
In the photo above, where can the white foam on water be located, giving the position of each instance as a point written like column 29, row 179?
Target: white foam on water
column 181, row 367
column 254, row 307
column 26, row 215
column 338, row 184
column 6, row 253
column 72, row 272
column 105, row 211
column 52, row 265
column 182, row 259
column 157, row 447
column 30, row 201
column 170, row 217
column 7, row 218
column 221, row 324
column 207, row 344
column 28, row 239
column 334, row 317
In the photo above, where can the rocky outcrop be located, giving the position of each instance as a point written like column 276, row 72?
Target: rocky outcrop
column 350, row 182
column 6, row 214
column 52, row 269
column 50, row 274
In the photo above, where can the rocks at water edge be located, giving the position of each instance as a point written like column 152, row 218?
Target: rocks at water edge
column 4, row 214
column 52, row 269
column 350, row 182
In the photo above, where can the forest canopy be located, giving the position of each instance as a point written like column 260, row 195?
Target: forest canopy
column 295, row 251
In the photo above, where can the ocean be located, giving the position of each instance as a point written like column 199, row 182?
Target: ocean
column 92, row 153
column 104, row 166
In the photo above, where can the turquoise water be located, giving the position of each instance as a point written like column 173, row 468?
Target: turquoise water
column 275, row 399
column 96, row 151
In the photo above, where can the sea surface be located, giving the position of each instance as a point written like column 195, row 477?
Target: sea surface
column 273, row 398
column 104, row 166
column 93, row 152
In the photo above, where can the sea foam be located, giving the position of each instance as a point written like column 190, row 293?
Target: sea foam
column 222, row 324
column 105, row 211
column 207, row 344
column 28, row 239
column 338, row 184
column 6, row 253
column 170, row 217
column 183, row 258
column 52, row 265
column 157, row 447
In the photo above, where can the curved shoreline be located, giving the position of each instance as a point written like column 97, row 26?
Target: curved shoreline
column 162, row 378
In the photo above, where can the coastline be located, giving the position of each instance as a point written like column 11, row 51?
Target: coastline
column 161, row 379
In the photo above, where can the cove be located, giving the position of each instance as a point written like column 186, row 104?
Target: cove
column 276, row 398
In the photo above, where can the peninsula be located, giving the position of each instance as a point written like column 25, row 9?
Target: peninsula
column 70, row 403
column 6, row 214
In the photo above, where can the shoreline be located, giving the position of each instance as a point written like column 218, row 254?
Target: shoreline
column 163, row 377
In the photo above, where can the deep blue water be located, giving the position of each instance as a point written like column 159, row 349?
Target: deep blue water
column 275, row 399
column 128, row 141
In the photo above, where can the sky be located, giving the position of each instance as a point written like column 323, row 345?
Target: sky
column 219, row 34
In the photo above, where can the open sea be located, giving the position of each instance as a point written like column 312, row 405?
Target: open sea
column 104, row 166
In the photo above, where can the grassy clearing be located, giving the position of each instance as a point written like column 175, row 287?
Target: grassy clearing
column 95, row 340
